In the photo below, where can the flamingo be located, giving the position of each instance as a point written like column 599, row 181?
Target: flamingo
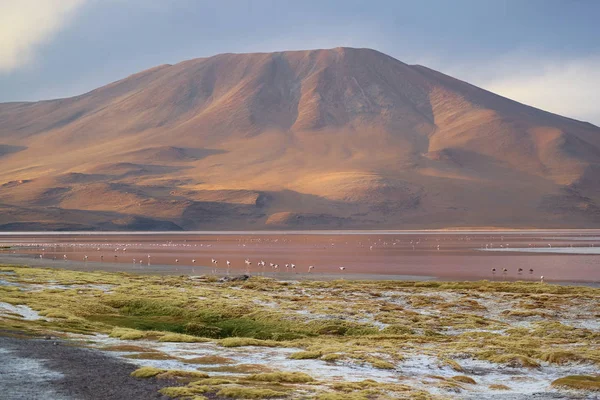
column 228, row 266
column 310, row 268
column 542, row 279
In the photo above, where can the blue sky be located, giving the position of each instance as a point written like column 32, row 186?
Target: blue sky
column 541, row 52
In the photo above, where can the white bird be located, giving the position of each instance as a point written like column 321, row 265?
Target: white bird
column 177, row 260
column 193, row 260
column 542, row 279
column 342, row 268
column 310, row 268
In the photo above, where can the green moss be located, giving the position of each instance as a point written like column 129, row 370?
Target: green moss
column 305, row 355
column 397, row 329
column 239, row 342
column 176, row 308
column 182, row 375
column 250, row 393
column 127, row 334
column 331, row 357
column 380, row 364
column 498, row 387
column 282, row 377
column 580, row 382
column 146, row 372
column 177, row 391
column 514, row 360
column 452, row 364
column 560, row 357
column 178, row 337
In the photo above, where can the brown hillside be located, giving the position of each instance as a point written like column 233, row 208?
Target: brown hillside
column 340, row 138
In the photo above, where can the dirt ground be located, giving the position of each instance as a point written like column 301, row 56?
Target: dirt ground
column 49, row 368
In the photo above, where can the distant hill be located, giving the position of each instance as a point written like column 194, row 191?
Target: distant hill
column 339, row 138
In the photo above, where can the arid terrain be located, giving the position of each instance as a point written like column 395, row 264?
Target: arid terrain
column 339, row 138
column 199, row 338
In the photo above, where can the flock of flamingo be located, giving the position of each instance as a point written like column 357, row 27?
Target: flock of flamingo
column 260, row 266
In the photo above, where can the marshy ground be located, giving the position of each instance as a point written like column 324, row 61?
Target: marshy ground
column 195, row 337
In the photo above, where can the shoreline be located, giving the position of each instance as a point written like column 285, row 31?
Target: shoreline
column 38, row 368
column 196, row 271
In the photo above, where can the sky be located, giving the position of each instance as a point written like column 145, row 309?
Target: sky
column 545, row 53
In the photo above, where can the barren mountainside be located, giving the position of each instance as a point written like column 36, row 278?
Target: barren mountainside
column 340, row 138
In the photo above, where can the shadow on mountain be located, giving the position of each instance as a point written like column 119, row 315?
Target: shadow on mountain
column 6, row 149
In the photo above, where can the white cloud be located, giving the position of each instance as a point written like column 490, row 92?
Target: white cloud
column 27, row 24
column 569, row 88
column 565, row 86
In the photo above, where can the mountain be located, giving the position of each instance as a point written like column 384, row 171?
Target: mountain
column 339, row 138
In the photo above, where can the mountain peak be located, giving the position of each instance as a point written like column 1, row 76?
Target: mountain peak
column 343, row 137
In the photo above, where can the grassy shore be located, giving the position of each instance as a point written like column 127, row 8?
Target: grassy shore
column 425, row 339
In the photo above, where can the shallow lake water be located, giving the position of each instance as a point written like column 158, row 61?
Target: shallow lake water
column 560, row 256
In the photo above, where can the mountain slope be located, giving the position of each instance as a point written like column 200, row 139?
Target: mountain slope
column 305, row 139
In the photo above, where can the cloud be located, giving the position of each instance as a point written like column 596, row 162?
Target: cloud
column 562, row 85
column 569, row 88
column 27, row 24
